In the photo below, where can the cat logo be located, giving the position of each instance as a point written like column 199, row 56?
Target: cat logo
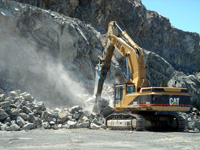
column 174, row 101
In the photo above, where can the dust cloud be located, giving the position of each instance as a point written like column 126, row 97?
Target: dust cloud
column 23, row 66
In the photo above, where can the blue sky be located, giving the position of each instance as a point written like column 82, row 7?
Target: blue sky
column 183, row 14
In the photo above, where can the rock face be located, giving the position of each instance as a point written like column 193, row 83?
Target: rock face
column 52, row 55
column 191, row 82
column 46, row 54
column 149, row 29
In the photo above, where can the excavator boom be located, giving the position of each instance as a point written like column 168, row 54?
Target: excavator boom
column 128, row 49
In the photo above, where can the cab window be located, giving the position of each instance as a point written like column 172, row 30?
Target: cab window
column 118, row 94
column 130, row 89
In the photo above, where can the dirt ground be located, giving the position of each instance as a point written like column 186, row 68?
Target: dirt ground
column 86, row 139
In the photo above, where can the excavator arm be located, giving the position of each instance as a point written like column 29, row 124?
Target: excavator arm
column 129, row 50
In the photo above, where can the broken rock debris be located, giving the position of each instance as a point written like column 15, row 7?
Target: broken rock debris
column 20, row 111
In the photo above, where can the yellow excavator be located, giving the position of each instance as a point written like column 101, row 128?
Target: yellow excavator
column 137, row 105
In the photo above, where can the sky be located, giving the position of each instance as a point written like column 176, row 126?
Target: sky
column 183, row 14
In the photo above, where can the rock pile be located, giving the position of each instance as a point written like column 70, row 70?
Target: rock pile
column 20, row 111
column 192, row 120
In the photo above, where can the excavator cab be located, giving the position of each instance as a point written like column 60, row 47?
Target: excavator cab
column 121, row 90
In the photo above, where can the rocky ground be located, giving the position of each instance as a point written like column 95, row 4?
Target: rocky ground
column 86, row 139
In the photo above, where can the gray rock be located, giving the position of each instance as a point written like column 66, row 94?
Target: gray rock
column 56, row 112
column 198, row 124
column 24, row 116
column 55, row 127
column 2, row 97
column 14, row 127
column 7, row 108
column 84, row 118
column 45, row 125
column 59, row 125
column 28, row 126
column 94, row 126
column 5, row 104
column 40, row 105
column 98, row 120
column 69, row 117
column 37, row 122
column 13, row 94
column 72, row 124
column 47, row 115
column 22, row 102
column 103, row 126
column 51, row 123
column 16, row 99
column 20, row 121
column 62, row 116
column 85, row 124
column 8, row 128
column 66, row 126
column 3, row 114
column 75, row 109
column 29, row 104
column 3, row 127
column 7, row 121
column 195, row 110
column 26, row 110
column 27, row 97
column 32, row 117
column 8, row 99
column 77, row 115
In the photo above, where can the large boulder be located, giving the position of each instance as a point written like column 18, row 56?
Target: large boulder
column 3, row 114
column 20, row 121
column 62, row 116
column 28, row 126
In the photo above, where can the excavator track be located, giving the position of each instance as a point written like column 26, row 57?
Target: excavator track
column 166, row 121
column 180, row 122
column 123, row 121
column 161, row 121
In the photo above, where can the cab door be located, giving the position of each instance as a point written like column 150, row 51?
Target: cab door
column 118, row 96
